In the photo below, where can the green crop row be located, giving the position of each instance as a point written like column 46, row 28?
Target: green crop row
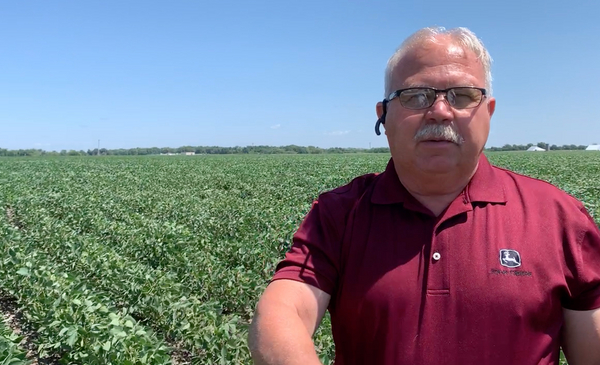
column 71, row 320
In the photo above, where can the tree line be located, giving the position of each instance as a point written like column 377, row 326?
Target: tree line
column 543, row 145
column 215, row 150
column 199, row 150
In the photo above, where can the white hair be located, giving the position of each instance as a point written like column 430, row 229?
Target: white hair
column 461, row 36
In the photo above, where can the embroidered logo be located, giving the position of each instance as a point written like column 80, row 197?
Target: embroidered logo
column 510, row 258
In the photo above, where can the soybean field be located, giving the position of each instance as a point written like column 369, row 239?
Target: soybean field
column 161, row 259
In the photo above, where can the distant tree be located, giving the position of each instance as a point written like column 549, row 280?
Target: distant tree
column 380, row 150
column 313, row 149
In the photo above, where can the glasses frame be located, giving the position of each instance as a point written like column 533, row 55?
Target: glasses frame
column 397, row 93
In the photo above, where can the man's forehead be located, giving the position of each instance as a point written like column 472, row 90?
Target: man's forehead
column 438, row 59
column 437, row 52
column 454, row 50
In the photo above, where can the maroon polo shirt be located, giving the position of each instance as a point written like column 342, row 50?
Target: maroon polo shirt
column 483, row 283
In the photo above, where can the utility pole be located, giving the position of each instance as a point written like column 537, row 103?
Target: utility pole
column 98, row 147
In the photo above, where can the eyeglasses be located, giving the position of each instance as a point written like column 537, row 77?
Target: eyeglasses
column 464, row 97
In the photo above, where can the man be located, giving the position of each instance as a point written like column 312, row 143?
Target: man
column 442, row 258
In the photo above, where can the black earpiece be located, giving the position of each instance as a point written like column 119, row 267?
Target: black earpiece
column 381, row 120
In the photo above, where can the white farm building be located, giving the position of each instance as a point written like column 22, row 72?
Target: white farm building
column 535, row 149
column 593, row 147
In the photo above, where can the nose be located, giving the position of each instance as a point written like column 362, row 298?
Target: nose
column 440, row 111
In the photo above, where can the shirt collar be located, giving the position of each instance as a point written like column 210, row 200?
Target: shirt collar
column 485, row 186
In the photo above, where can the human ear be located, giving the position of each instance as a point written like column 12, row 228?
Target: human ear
column 491, row 106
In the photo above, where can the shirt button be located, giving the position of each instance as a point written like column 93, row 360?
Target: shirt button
column 436, row 256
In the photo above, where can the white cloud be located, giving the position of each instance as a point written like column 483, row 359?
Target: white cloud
column 337, row 133
column 276, row 126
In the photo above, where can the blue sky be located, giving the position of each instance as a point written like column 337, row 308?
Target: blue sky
column 227, row 73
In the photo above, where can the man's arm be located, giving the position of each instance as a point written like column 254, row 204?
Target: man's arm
column 287, row 315
column 581, row 337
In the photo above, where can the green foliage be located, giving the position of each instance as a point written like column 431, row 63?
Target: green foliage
column 10, row 351
column 118, row 260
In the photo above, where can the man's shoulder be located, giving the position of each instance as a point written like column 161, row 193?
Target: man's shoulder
column 528, row 187
column 349, row 193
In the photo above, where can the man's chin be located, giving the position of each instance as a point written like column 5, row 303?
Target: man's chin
column 438, row 164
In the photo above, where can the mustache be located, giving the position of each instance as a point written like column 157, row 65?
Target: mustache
column 446, row 132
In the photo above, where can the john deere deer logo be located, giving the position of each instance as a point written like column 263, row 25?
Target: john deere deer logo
column 510, row 258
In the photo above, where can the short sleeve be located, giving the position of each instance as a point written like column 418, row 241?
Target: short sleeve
column 584, row 287
column 314, row 255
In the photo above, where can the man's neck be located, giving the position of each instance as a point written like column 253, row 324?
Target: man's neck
column 437, row 204
column 435, row 191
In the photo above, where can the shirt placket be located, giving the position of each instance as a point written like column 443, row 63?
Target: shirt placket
column 438, row 283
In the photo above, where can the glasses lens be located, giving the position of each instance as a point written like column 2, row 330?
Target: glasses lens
column 417, row 98
column 464, row 97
